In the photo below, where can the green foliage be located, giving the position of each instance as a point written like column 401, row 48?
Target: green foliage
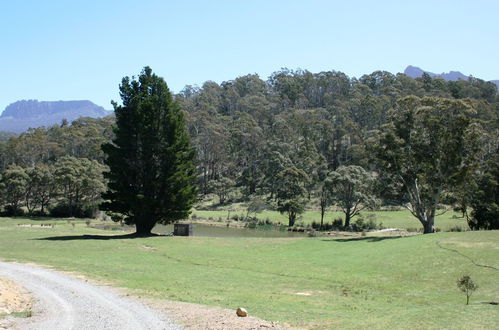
column 5, row 136
column 256, row 205
column 362, row 224
column 222, row 188
column 351, row 188
column 247, row 130
column 485, row 198
column 151, row 171
column 42, row 187
column 466, row 285
column 81, row 183
column 13, row 185
column 428, row 147
column 291, row 192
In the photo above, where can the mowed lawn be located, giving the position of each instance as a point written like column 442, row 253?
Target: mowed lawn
column 389, row 219
column 367, row 282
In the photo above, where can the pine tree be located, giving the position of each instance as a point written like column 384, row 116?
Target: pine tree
column 150, row 159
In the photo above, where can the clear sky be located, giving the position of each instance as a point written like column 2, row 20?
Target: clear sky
column 73, row 50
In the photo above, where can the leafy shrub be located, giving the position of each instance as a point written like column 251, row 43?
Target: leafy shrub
column 38, row 213
column 265, row 222
column 62, row 210
column 325, row 226
column 457, row 228
column 337, row 223
column 251, row 225
column 364, row 225
column 466, row 285
column 10, row 211
column 89, row 211
column 312, row 233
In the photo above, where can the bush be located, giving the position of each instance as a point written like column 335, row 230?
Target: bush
column 38, row 213
column 457, row 228
column 62, row 210
column 337, row 223
column 251, row 225
column 466, row 285
column 364, row 225
column 325, row 226
column 89, row 211
column 10, row 211
column 312, row 233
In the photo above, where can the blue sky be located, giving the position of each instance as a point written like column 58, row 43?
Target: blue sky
column 72, row 50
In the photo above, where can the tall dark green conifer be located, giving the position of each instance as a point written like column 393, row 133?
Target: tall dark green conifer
column 150, row 159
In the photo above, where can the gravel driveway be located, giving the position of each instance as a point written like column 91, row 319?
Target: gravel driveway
column 64, row 302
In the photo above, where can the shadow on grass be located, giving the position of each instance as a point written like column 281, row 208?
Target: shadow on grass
column 96, row 237
column 360, row 239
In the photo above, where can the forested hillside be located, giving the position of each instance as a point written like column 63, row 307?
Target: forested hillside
column 253, row 135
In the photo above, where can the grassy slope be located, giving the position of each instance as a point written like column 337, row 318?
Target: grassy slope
column 390, row 219
column 377, row 283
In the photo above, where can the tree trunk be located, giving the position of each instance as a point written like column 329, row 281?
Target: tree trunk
column 322, row 218
column 428, row 227
column 144, row 228
column 348, row 216
column 292, row 219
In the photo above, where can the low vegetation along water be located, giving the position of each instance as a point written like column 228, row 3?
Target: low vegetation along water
column 218, row 231
column 203, row 230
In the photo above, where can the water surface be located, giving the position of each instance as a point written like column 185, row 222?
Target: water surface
column 218, row 231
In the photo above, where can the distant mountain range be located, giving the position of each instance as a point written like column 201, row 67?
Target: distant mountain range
column 21, row 115
column 415, row 72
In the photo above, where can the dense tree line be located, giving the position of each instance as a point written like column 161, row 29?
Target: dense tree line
column 286, row 139
column 56, row 169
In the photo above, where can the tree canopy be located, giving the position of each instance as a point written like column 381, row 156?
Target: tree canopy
column 247, row 130
column 150, row 159
column 428, row 148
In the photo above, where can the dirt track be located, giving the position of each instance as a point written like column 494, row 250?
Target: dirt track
column 65, row 302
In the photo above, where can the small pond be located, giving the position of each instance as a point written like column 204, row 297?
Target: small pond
column 218, row 231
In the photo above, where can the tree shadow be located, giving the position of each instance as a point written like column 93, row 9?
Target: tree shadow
column 362, row 239
column 97, row 237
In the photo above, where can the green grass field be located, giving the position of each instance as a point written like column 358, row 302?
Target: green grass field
column 390, row 219
column 369, row 282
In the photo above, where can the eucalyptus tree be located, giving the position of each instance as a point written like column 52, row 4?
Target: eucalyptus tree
column 80, row 183
column 428, row 147
column 41, row 188
column 291, row 193
column 13, row 185
column 351, row 188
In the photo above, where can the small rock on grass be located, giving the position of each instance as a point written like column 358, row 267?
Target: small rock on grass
column 241, row 312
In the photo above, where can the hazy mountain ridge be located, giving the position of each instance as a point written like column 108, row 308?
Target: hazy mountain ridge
column 415, row 72
column 21, row 115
